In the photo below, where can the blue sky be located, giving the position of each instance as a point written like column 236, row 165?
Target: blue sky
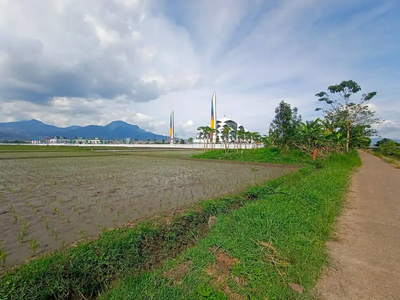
column 70, row 62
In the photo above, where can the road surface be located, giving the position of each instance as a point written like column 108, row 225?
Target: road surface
column 365, row 252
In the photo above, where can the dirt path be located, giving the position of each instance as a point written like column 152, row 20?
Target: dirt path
column 365, row 256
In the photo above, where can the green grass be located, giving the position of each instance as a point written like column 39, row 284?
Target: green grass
column 262, row 155
column 394, row 160
column 294, row 213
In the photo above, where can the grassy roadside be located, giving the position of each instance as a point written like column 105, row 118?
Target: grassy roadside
column 263, row 155
column 394, row 161
column 256, row 251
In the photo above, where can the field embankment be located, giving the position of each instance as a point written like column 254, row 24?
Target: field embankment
column 263, row 250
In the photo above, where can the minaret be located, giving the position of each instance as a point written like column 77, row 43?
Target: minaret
column 171, row 128
column 214, row 117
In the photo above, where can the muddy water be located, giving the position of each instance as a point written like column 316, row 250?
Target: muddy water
column 57, row 201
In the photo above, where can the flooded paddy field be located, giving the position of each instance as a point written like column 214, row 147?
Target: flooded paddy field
column 47, row 201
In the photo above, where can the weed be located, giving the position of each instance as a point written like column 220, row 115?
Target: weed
column 23, row 232
column 82, row 233
column 3, row 255
column 33, row 245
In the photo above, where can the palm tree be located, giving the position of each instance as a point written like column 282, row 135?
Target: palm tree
column 225, row 136
column 248, row 139
column 255, row 138
column 207, row 132
column 212, row 132
column 241, row 136
column 202, row 134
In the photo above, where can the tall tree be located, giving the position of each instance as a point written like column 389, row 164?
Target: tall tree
column 283, row 127
column 349, row 114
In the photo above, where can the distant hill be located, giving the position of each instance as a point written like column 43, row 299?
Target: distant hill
column 26, row 130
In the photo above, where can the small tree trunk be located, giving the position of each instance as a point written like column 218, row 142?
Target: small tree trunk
column 348, row 137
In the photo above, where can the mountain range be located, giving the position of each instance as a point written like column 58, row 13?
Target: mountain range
column 27, row 130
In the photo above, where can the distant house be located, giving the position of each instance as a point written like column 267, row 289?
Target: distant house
column 36, row 141
column 94, row 141
column 79, row 140
column 59, row 140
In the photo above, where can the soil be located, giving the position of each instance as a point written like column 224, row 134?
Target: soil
column 365, row 255
column 59, row 200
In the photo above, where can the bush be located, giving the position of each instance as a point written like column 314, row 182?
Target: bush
column 389, row 148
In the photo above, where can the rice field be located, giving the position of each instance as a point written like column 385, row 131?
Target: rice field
column 52, row 199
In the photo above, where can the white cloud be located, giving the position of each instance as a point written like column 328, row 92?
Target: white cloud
column 137, row 60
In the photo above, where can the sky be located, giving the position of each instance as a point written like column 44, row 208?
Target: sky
column 73, row 62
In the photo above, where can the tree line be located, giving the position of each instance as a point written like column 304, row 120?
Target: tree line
column 346, row 123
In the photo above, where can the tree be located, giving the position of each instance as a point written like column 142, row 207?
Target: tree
column 346, row 113
column 389, row 148
column 382, row 141
column 240, row 135
column 211, row 133
column 283, row 127
column 248, row 138
column 190, row 140
column 225, row 136
column 206, row 132
column 255, row 138
column 181, row 141
column 202, row 134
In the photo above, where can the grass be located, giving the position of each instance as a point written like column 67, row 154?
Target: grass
column 261, row 155
column 277, row 240
column 393, row 160
column 275, row 233
column 88, row 268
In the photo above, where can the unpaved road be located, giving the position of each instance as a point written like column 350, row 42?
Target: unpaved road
column 365, row 255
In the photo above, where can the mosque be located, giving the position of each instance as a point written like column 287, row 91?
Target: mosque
column 219, row 125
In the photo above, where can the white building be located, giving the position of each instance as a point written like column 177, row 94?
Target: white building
column 94, row 141
column 221, row 124
column 59, row 140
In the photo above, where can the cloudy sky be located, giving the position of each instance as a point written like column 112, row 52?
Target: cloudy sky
column 74, row 62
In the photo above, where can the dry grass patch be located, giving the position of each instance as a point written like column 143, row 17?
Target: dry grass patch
column 177, row 274
column 220, row 271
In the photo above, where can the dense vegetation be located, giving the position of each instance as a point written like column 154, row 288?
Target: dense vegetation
column 345, row 124
column 389, row 151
